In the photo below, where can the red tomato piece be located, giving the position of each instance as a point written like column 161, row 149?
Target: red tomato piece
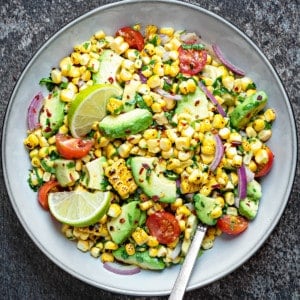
column 264, row 169
column 232, row 225
column 164, row 226
column 133, row 37
column 70, row 148
column 44, row 191
column 191, row 61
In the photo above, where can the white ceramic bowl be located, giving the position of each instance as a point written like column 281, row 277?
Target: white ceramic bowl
column 228, row 253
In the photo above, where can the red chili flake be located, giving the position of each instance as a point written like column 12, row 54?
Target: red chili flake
column 49, row 114
column 259, row 97
column 128, row 131
column 47, row 129
column 111, row 80
column 155, row 198
column 141, row 171
column 197, row 102
column 122, row 220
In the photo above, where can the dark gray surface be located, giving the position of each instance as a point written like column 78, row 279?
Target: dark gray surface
column 272, row 273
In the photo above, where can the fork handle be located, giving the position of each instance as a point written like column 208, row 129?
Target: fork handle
column 183, row 277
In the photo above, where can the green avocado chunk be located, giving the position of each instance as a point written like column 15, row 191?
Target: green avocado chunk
column 195, row 104
column 140, row 259
column 65, row 171
column 254, row 190
column 204, row 206
column 52, row 114
column 151, row 180
column 246, row 110
column 110, row 63
column 248, row 208
column 121, row 227
column 126, row 124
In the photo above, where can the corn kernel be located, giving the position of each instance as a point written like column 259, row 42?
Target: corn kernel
column 31, row 141
column 252, row 166
column 83, row 245
column 152, row 241
column 154, row 81
column 56, row 76
column 261, row 156
column 265, row 135
column 109, row 245
column 183, row 210
column 153, row 252
column 216, row 213
column 67, row 95
column 107, row 257
column 114, row 210
column 270, row 115
column 95, row 252
column 140, row 236
column 229, row 198
column 258, row 125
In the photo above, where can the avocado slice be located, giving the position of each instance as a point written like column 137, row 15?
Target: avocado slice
column 52, row 114
column 121, row 228
column 204, row 206
column 110, row 63
column 93, row 174
column 248, row 208
column 195, row 104
column 140, row 259
column 191, row 226
column 126, row 124
column 65, row 172
column 254, row 190
column 151, row 180
column 246, row 110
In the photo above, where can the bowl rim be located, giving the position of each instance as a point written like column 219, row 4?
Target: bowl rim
column 104, row 7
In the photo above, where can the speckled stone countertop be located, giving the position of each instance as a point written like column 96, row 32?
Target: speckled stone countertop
column 272, row 273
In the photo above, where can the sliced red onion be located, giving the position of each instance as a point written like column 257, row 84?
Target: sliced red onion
column 167, row 95
column 33, row 112
column 121, row 269
column 142, row 77
column 242, row 184
column 225, row 62
column 218, row 154
column 212, row 99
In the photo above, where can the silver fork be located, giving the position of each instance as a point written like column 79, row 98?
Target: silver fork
column 183, row 277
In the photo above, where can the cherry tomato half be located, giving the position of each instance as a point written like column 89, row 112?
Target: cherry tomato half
column 191, row 61
column 132, row 37
column 43, row 192
column 164, row 226
column 264, row 169
column 232, row 224
column 70, row 148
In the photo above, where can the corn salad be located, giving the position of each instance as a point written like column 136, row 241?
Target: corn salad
column 184, row 144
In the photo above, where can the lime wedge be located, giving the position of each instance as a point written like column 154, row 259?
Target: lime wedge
column 89, row 106
column 79, row 208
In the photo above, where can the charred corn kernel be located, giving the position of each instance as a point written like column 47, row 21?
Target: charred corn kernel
column 177, row 203
column 205, row 190
column 195, row 176
column 35, row 162
column 207, row 243
column 124, row 150
column 103, row 220
column 228, row 82
column 43, row 152
column 265, row 135
column 230, row 152
column 100, row 34
column 140, row 236
column 125, row 75
column 31, row 141
column 152, row 241
column 167, row 154
column 63, row 129
column 74, row 72
column 156, row 107
column 216, row 213
column 207, row 159
column 232, row 211
column 173, row 44
column 75, row 57
column 67, row 95
column 83, row 245
column 130, row 249
column 43, row 142
column 149, row 49
column 132, row 54
column 107, row 257
column 128, row 65
column 114, row 106
column 33, row 153
column 169, row 31
column 84, row 59
column 98, row 153
column 158, row 69
column 165, row 144
column 134, row 138
column 270, row 115
column 146, row 205
column 220, row 201
column 255, row 145
column 173, row 164
column 250, row 131
column 261, row 156
column 52, row 149
column 229, row 198
column 173, row 72
column 237, row 161
column 182, row 143
column 235, row 137
column 224, row 133
column 252, row 166
column 183, row 210
column 234, row 178
column 95, row 252
column 154, row 81
column 258, row 125
column 65, row 66
column 110, row 150
column 188, row 86
column 205, row 126
column 56, row 76
column 109, row 245
column 246, row 145
column 153, row 252
column 184, row 155
column 103, row 142
column 218, row 121
column 114, row 210
column 150, row 134
column 208, row 149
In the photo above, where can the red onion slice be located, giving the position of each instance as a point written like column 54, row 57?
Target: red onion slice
column 33, row 112
column 167, row 95
column 212, row 99
column 242, row 184
column 225, row 62
column 218, row 154
column 121, row 269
